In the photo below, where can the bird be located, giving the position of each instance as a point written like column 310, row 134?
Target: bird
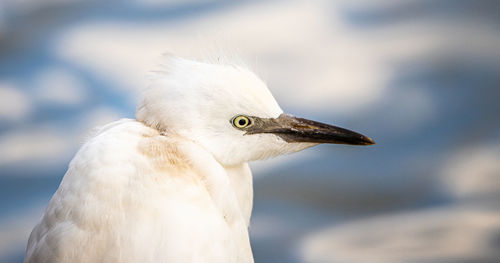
column 174, row 184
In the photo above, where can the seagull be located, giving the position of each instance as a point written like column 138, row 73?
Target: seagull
column 173, row 184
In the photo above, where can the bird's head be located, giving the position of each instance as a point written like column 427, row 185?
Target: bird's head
column 230, row 112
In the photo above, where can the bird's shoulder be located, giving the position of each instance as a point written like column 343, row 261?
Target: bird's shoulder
column 127, row 178
column 129, row 142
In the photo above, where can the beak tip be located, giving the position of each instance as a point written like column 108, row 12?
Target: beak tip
column 366, row 141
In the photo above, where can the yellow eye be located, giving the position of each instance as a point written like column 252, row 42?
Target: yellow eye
column 241, row 121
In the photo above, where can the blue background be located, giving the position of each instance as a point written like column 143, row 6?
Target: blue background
column 421, row 78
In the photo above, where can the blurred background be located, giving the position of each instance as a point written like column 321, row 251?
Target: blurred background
column 421, row 77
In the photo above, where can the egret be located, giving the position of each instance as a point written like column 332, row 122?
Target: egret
column 174, row 184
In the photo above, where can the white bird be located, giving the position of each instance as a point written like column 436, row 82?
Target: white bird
column 174, row 184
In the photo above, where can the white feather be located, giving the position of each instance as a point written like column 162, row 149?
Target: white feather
column 171, row 186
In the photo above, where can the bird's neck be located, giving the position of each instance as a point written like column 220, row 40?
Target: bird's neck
column 229, row 186
column 230, row 189
column 240, row 177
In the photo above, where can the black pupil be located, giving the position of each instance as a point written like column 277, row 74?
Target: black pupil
column 242, row 122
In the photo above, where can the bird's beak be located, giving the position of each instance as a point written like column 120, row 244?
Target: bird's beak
column 294, row 129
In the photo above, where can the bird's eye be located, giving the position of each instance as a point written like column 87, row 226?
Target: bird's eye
column 241, row 121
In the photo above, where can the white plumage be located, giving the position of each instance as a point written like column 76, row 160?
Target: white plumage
column 173, row 185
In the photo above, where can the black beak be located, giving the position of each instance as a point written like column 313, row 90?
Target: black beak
column 294, row 129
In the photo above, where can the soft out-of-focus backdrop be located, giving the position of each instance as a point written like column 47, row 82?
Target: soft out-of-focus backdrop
column 421, row 77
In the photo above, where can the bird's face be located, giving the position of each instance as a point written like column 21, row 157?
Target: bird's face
column 261, row 138
column 231, row 113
